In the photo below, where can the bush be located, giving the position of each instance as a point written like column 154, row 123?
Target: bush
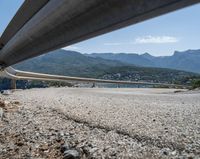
column 59, row 84
column 196, row 84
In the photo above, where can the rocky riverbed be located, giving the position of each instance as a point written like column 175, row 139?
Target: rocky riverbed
column 43, row 123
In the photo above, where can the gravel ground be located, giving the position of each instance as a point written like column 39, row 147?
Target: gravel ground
column 100, row 123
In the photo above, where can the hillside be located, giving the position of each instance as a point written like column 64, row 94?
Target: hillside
column 188, row 60
column 72, row 63
column 131, row 58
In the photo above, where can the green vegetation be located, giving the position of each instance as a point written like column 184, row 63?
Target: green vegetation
column 59, row 84
column 196, row 83
column 156, row 75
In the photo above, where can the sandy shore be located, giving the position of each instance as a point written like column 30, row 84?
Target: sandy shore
column 103, row 123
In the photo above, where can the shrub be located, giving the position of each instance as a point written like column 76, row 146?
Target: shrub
column 196, row 84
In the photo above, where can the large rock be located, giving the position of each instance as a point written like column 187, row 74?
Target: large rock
column 71, row 154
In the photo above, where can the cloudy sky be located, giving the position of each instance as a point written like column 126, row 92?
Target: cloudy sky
column 179, row 30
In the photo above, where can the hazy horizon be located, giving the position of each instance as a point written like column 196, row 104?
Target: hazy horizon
column 130, row 52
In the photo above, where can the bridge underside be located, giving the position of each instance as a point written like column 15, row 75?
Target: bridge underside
column 41, row 26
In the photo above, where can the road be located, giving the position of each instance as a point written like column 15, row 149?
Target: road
column 160, row 120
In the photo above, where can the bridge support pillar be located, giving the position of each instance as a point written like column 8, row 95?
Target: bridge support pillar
column 13, row 84
column 93, row 85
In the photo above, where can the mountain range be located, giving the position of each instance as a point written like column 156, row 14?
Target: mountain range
column 187, row 60
column 73, row 63
column 70, row 63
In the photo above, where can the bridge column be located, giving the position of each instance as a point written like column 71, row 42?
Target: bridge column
column 93, row 85
column 13, row 84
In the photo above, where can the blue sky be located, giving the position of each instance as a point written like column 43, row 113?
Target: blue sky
column 179, row 30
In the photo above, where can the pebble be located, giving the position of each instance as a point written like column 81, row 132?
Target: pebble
column 93, row 150
column 6, row 92
column 165, row 151
column 71, row 154
column 64, row 148
column 37, row 134
column 16, row 102
column 2, row 104
column 1, row 113
column 61, row 134
column 6, row 102
column 173, row 153
column 44, row 147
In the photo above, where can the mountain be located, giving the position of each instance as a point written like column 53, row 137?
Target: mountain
column 73, row 63
column 187, row 60
column 70, row 63
column 125, row 58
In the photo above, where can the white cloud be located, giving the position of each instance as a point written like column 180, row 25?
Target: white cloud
column 147, row 40
column 114, row 44
column 71, row 48
column 156, row 40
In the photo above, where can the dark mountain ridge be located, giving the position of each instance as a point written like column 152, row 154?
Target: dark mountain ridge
column 187, row 60
column 69, row 63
